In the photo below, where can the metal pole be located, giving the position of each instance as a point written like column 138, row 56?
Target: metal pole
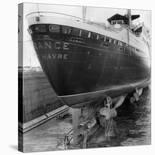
column 84, row 13
column 75, row 120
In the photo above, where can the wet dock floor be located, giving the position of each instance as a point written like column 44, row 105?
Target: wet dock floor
column 132, row 127
column 48, row 136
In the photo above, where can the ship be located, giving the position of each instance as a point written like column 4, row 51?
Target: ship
column 84, row 60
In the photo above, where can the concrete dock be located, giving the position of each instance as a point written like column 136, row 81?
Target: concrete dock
column 133, row 129
column 44, row 131
column 48, row 136
column 38, row 96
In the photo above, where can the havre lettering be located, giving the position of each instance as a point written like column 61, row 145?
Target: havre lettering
column 56, row 56
column 60, row 56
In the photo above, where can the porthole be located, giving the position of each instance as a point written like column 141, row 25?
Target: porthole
column 66, row 30
column 89, row 34
column 54, row 28
column 80, row 33
column 114, row 41
column 120, row 43
column 97, row 37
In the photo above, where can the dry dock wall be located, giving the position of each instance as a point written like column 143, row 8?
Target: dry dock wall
column 37, row 97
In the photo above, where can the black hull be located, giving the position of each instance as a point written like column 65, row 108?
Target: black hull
column 76, row 65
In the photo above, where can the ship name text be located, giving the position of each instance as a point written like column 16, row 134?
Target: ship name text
column 51, row 45
column 52, row 50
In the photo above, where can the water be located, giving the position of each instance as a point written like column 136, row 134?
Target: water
column 132, row 126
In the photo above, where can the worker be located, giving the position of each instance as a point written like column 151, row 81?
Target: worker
column 107, row 113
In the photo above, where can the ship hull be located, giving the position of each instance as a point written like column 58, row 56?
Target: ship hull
column 82, row 69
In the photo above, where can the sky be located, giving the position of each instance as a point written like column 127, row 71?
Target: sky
column 96, row 14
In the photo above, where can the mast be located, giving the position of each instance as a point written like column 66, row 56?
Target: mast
column 129, row 24
column 84, row 8
column 129, row 17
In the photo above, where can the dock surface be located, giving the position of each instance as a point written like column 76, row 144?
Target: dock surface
column 133, row 126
